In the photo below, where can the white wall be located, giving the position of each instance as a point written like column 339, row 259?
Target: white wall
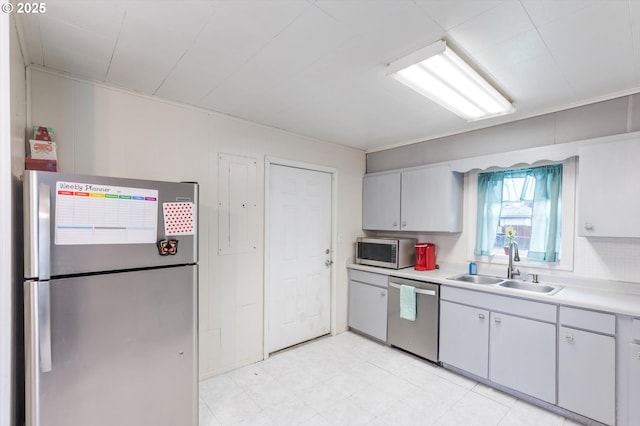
column 105, row 131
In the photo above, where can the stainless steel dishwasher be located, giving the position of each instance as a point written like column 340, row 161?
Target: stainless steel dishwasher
column 419, row 337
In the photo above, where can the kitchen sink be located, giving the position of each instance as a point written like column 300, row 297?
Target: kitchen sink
column 523, row 285
column 507, row 283
column 477, row 279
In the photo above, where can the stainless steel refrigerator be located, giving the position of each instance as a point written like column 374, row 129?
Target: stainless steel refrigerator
column 110, row 301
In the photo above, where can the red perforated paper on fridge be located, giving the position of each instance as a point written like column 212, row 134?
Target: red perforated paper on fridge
column 178, row 218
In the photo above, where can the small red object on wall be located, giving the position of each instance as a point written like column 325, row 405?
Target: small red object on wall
column 43, row 165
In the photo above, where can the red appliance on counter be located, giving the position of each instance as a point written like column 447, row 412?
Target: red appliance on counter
column 425, row 257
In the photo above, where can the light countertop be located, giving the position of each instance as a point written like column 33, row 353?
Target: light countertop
column 600, row 295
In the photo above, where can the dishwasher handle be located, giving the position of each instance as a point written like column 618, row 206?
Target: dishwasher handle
column 418, row 290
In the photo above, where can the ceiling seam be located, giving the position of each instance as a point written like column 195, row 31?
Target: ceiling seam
column 22, row 42
column 195, row 38
column 275, row 36
column 115, row 45
column 546, row 46
column 41, row 43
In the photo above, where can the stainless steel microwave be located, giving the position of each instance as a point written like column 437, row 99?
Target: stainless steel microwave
column 394, row 253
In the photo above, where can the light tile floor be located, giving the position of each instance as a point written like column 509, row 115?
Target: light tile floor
column 350, row 380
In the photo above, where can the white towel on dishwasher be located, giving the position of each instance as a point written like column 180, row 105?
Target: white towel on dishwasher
column 408, row 302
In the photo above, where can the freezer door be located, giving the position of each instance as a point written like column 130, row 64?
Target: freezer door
column 123, row 349
column 77, row 224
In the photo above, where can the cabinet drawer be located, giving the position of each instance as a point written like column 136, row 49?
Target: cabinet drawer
column 588, row 320
column 636, row 330
column 510, row 305
column 379, row 280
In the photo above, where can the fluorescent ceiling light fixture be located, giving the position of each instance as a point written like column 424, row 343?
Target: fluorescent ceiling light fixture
column 438, row 73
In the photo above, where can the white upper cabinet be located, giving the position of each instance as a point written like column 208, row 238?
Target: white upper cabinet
column 381, row 202
column 431, row 200
column 609, row 194
column 425, row 199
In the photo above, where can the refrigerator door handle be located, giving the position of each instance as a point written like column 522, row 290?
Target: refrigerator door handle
column 44, row 232
column 41, row 304
column 43, row 322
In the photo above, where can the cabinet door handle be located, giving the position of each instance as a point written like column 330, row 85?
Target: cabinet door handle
column 382, row 294
column 638, row 355
column 404, row 223
column 481, row 316
column 497, row 320
column 569, row 338
column 395, row 224
column 588, row 226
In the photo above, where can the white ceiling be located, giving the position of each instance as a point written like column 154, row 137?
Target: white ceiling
column 317, row 67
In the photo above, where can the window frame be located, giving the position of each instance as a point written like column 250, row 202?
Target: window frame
column 566, row 262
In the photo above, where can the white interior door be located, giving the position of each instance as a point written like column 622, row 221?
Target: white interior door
column 299, row 255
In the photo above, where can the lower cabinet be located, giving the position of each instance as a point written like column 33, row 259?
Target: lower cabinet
column 587, row 364
column 368, row 303
column 634, row 384
column 522, row 355
column 464, row 337
column 509, row 341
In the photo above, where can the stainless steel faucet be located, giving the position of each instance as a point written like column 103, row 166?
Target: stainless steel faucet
column 514, row 256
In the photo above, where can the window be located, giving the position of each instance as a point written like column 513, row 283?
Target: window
column 525, row 204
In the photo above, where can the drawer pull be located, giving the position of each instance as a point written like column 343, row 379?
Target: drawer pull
column 497, row 320
column 569, row 338
column 481, row 316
